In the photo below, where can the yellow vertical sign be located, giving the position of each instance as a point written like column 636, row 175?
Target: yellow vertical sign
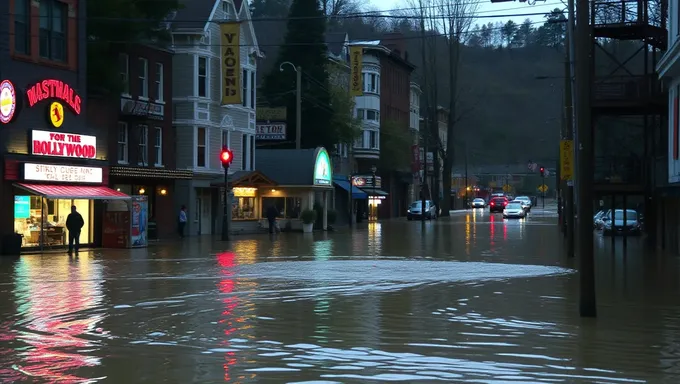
column 231, row 63
column 356, row 86
column 566, row 160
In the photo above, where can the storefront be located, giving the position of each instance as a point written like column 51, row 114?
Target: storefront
column 305, row 181
column 371, row 185
column 342, row 199
column 47, row 171
column 245, row 200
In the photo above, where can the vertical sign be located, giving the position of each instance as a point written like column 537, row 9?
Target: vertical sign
column 230, row 34
column 566, row 160
column 356, row 86
column 415, row 158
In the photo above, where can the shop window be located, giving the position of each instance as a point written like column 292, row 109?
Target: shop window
column 143, row 145
column 22, row 27
column 201, row 141
column 158, row 146
column 243, row 207
column 53, row 15
column 143, row 77
column 122, row 142
column 43, row 221
column 288, row 207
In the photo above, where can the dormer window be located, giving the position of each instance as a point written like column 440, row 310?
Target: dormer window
column 226, row 9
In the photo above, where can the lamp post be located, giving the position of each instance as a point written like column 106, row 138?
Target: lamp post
column 374, row 169
column 298, row 102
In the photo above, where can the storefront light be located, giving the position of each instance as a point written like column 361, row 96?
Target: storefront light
column 163, row 191
column 244, row 192
column 142, row 191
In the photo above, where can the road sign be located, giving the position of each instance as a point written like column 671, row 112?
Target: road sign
column 566, row 160
column 543, row 188
column 507, row 188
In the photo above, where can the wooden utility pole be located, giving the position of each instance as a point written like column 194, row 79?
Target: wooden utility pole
column 568, row 190
column 585, row 160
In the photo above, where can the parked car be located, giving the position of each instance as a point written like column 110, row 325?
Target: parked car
column 514, row 209
column 597, row 219
column 478, row 203
column 526, row 200
column 614, row 223
column 415, row 210
column 525, row 204
column 497, row 204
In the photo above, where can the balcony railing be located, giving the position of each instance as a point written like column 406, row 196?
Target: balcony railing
column 629, row 89
column 625, row 13
column 618, row 170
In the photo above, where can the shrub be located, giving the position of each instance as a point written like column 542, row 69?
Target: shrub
column 308, row 216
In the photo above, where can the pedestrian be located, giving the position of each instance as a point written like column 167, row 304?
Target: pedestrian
column 182, row 221
column 74, row 223
column 272, row 214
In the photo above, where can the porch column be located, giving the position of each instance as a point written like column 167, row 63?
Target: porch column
column 310, row 200
column 325, row 210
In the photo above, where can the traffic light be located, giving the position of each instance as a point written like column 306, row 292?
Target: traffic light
column 226, row 156
column 542, row 170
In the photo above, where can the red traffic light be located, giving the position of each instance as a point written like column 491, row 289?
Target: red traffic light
column 226, row 156
column 542, row 169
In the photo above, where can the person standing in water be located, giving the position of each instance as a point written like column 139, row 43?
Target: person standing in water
column 74, row 223
column 182, row 221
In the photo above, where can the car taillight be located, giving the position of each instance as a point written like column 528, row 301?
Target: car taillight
column 492, row 203
column 505, row 203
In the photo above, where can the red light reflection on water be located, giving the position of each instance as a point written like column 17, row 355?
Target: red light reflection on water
column 54, row 318
column 226, row 260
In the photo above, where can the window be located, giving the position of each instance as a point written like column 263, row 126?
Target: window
column 32, row 214
column 243, row 208
column 244, row 152
column 122, row 142
column 252, row 89
column 225, row 139
column 53, row 16
column 159, row 82
column 372, row 115
column 361, row 113
column 252, row 151
column 201, row 153
column 244, row 85
column 143, row 77
column 124, row 69
column 288, row 207
column 371, row 82
column 158, row 146
column 202, row 77
column 225, row 9
column 143, row 158
column 374, row 140
column 22, row 26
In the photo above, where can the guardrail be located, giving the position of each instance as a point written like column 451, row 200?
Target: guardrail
column 629, row 89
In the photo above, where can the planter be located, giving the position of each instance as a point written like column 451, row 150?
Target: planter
column 307, row 228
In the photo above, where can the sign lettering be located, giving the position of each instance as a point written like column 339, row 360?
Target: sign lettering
column 231, row 63
column 54, row 89
column 62, row 173
column 45, row 143
column 270, row 131
column 566, row 160
column 356, row 86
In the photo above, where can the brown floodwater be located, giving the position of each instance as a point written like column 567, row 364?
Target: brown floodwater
column 470, row 299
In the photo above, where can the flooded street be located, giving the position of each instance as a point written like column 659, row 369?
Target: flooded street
column 473, row 298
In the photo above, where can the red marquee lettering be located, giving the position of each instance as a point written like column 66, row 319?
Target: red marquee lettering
column 49, row 148
column 54, row 89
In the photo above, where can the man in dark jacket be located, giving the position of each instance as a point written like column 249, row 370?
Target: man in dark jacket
column 272, row 214
column 74, row 223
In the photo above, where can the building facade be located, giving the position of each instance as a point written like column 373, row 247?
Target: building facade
column 52, row 158
column 414, row 129
column 140, row 135
column 202, row 125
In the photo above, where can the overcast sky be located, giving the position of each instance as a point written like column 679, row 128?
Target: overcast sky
column 487, row 9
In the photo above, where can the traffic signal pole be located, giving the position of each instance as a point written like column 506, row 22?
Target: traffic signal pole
column 543, row 188
column 226, row 156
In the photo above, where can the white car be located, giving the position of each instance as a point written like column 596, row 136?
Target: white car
column 514, row 209
column 478, row 203
column 525, row 204
column 415, row 212
column 526, row 200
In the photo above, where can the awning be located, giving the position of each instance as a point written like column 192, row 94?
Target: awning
column 375, row 192
column 356, row 192
column 73, row 192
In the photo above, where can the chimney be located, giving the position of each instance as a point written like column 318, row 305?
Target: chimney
column 394, row 41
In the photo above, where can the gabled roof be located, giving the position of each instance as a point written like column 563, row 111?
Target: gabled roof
column 194, row 14
column 335, row 42
column 288, row 166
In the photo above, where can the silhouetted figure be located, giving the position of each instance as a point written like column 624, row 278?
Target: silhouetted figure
column 74, row 223
column 272, row 214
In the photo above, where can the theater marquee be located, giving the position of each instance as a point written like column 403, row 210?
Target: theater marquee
column 62, row 173
column 57, row 144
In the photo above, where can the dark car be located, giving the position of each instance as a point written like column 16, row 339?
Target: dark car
column 497, row 204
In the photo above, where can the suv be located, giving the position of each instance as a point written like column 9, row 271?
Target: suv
column 497, row 204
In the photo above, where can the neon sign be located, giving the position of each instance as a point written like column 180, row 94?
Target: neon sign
column 54, row 89
column 8, row 101
column 45, row 143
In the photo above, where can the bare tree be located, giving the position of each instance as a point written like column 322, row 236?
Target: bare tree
column 457, row 19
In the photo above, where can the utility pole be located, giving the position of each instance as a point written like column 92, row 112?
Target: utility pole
column 568, row 190
column 466, row 177
column 298, row 101
column 427, row 116
column 585, row 160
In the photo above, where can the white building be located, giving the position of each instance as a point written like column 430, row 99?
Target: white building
column 669, row 67
column 367, row 147
column 202, row 124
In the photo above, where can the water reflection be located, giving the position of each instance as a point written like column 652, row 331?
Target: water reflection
column 56, row 333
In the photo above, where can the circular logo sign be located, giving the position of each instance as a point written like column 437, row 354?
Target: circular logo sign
column 8, row 101
column 56, row 114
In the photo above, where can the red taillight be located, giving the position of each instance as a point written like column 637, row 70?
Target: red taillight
column 505, row 203
column 492, row 203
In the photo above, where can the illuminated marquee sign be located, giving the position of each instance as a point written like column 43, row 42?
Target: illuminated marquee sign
column 56, row 114
column 45, row 143
column 8, row 101
column 54, row 89
column 62, row 173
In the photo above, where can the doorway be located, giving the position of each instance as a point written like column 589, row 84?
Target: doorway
column 203, row 212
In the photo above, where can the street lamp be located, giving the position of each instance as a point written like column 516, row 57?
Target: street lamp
column 298, row 102
column 373, row 170
column 226, row 156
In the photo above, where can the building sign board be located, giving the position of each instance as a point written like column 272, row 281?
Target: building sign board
column 366, row 181
column 323, row 174
column 55, row 114
column 8, row 101
column 142, row 108
column 54, row 89
column 274, row 131
column 73, row 145
column 231, row 63
column 62, row 173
